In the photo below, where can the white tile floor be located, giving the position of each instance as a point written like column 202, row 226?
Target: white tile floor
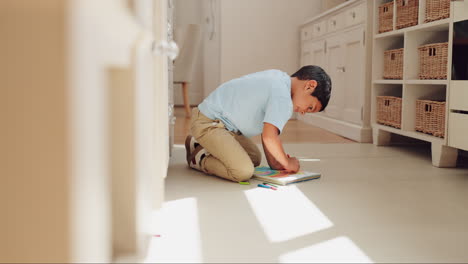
column 372, row 204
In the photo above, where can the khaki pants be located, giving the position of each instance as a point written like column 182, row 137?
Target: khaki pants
column 233, row 156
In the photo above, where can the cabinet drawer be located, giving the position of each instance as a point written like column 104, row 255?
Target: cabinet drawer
column 306, row 33
column 320, row 28
column 355, row 15
column 458, row 125
column 335, row 23
column 458, row 95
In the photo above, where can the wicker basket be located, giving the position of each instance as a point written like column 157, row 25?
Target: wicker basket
column 393, row 64
column 430, row 117
column 437, row 9
column 433, row 61
column 386, row 17
column 389, row 111
column 407, row 13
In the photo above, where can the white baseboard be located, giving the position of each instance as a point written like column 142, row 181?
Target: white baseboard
column 352, row 131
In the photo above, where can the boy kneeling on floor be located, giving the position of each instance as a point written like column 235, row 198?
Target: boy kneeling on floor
column 257, row 103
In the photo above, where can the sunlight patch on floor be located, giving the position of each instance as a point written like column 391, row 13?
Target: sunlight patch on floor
column 286, row 214
column 337, row 250
column 176, row 233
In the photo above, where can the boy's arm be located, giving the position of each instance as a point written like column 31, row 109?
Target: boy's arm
column 274, row 152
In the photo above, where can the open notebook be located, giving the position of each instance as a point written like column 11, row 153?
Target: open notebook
column 267, row 174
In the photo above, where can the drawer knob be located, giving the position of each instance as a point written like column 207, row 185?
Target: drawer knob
column 353, row 14
column 334, row 22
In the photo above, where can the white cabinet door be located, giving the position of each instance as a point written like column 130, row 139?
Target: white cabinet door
column 335, row 67
column 313, row 53
column 306, row 55
column 317, row 54
column 353, row 71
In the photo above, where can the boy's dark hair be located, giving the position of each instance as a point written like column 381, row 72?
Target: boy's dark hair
column 324, row 85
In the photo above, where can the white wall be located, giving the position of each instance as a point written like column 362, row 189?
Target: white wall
column 262, row 34
column 327, row 4
column 190, row 12
column 249, row 36
column 211, row 45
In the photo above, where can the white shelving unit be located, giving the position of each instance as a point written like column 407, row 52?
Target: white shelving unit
column 410, row 88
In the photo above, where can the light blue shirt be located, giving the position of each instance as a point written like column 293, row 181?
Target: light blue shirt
column 245, row 103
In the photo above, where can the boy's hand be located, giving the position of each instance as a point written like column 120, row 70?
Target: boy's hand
column 293, row 165
column 274, row 153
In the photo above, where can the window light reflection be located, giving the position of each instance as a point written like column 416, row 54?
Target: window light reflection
column 286, row 214
column 176, row 230
column 337, row 250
